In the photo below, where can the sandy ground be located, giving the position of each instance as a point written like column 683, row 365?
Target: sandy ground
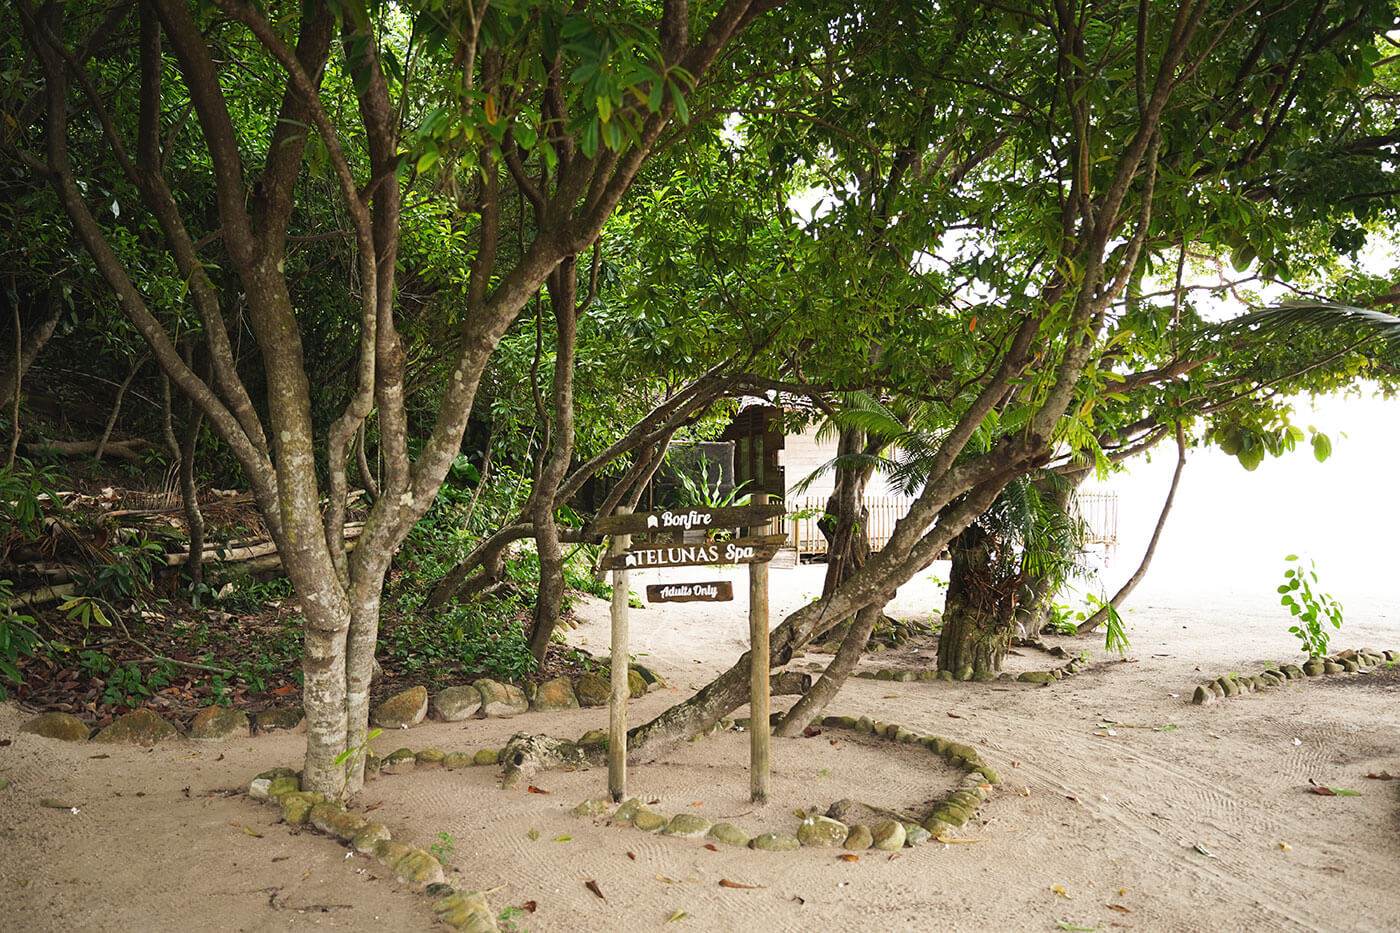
column 1120, row 823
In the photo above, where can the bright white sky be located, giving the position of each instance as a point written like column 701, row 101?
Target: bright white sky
column 1231, row 529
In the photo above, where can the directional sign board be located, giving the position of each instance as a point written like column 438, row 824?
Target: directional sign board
column 680, row 520
column 710, row 591
column 733, row 551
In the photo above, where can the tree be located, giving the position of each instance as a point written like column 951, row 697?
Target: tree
column 558, row 105
column 1059, row 180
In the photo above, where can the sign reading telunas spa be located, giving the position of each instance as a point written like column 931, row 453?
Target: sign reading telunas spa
column 736, row 551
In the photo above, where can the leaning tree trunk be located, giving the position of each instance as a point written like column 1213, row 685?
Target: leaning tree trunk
column 815, row 700
column 1097, row 619
column 978, row 616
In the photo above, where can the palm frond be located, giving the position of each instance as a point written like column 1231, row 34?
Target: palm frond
column 1318, row 315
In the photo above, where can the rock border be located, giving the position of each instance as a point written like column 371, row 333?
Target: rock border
column 1351, row 661
column 482, row 699
column 1043, row 678
column 462, row 910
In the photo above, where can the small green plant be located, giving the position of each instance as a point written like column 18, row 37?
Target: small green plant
column 350, row 758
column 699, row 493
column 508, row 917
column 1310, row 606
column 444, row 847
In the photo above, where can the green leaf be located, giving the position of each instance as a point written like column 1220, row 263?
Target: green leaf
column 1322, row 446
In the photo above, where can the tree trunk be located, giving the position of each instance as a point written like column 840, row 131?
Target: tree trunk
column 1095, row 620
column 825, row 689
column 846, row 522
column 27, row 347
column 1038, row 582
column 977, row 617
column 549, row 600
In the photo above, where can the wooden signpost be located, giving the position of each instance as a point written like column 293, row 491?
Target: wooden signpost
column 755, row 549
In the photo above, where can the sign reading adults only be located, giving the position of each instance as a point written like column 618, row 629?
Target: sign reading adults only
column 743, row 550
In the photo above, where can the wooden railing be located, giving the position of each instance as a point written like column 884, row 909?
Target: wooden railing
column 1099, row 509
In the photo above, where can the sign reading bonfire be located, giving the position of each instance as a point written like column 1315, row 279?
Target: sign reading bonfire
column 689, row 538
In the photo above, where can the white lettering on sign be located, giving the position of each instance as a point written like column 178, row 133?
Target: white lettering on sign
column 683, row 520
column 699, row 554
column 733, row 553
column 689, row 589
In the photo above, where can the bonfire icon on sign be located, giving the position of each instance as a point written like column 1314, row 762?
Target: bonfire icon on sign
column 653, row 521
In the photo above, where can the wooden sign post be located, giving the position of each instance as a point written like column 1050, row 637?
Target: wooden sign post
column 759, row 731
column 755, row 549
column 617, row 697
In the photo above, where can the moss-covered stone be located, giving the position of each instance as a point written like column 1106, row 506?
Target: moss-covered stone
column 487, row 756
column 417, row 867
column 370, row 836
column 296, row 808
column 556, row 694
column 139, row 727
column 988, row 774
column 1328, row 667
column 433, row 757
column 63, row 726
column 636, row 684
column 287, row 719
column 963, row 673
column 887, row 835
column 593, row 806
column 216, row 724
column 498, row 699
column 593, row 689
column 649, row 822
column 944, row 675
column 821, row 831
column 775, row 842
column 402, row 710
column 906, row 677
column 454, row 760
column 914, row 834
column 686, row 826
column 466, row 911
column 983, row 677
column 281, row 786
column 858, row 838
column 729, row 834
column 627, row 812
column 936, row 827
column 1314, row 667
column 1035, row 677
column 865, row 724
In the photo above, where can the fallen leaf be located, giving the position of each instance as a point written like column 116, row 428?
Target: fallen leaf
column 1285, row 846
column 952, row 715
column 1204, row 851
column 95, row 757
column 4, row 783
column 532, row 789
column 653, row 802
column 676, row 915
column 1066, row 925
column 890, row 696
column 949, row 840
column 283, row 691
column 726, row 883
column 709, row 845
column 811, row 731
column 665, row 880
column 529, row 906
column 280, row 858
column 1383, row 776
column 1120, row 908
column 848, row 857
column 535, row 834
column 53, row 804
column 893, row 856
column 1326, row 791
column 374, row 806
column 251, row 832
column 698, row 803
column 593, row 886
column 564, row 838
column 632, row 856
column 1297, row 741
column 1060, row 890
